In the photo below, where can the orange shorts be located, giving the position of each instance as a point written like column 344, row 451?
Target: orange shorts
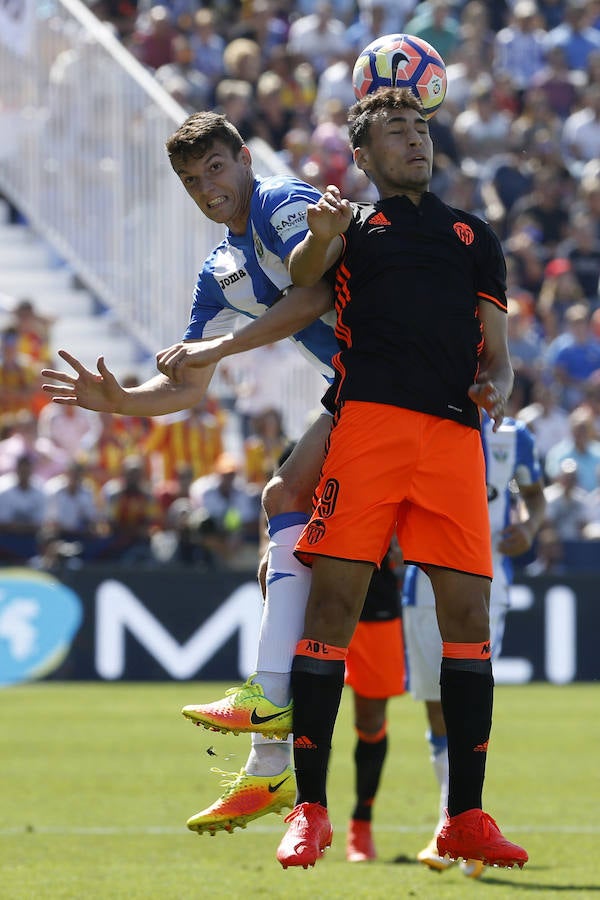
column 390, row 469
column 375, row 661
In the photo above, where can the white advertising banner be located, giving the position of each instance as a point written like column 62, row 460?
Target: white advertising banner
column 16, row 24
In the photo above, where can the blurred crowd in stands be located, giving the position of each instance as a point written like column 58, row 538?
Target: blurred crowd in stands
column 517, row 141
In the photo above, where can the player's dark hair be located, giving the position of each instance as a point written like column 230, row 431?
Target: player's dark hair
column 198, row 134
column 362, row 115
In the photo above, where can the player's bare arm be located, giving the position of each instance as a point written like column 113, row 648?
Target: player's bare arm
column 518, row 537
column 102, row 392
column 322, row 244
column 495, row 380
column 297, row 309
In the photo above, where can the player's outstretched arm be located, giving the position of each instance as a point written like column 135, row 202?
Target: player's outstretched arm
column 102, row 392
column 495, row 380
column 293, row 312
column 322, row 244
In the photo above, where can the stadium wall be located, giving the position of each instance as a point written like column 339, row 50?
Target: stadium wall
column 183, row 624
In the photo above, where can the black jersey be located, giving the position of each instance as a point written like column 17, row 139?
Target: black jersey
column 407, row 290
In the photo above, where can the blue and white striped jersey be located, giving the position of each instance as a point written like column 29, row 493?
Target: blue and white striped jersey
column 246, row 273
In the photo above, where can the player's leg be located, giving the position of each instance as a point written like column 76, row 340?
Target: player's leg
column 451, row 504
column 348, row 535
column 337, row 594
column 424, row 654
column 375, row 670
column 370, row 752
column 466, row 684
column 262, row 706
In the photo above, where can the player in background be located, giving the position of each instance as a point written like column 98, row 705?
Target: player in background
column 375, row 671
column 516, row 507
column 245, row 274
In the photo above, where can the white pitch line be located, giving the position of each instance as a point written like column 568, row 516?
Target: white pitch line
column 66, row 830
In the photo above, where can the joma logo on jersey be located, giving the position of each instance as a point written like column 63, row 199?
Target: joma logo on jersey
column 231, row 279
column 315, row 531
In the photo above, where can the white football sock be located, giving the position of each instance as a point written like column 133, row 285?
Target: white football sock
column 288, row 584
column 439, row 761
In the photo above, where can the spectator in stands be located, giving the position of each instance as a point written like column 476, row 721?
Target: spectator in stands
column 261, row 25
column 581, row 446
column 181, row 74
column 47, row 458
column 22, row 500
column 229, row 510
column 548, row 205
column 567, row 504
column 505, row 179
column 545, row 417
column 525, row 348
column 242, row 59
column 435, row 22
column 581, row 131
column 559, row 291
column 273, row 120
column 69, row 427
column 578, row 357
column 398, row 12
column 559, row 83
column 18, row 378
column 525, row 253
column 72, row 512
column 588, row 193
column 187, row 537
column 550, row 554
column 192, row 438
column 263, row 447
column 552, row 12
column 132, row 513
column 481, row 129
column 234, row 98
column 519, row 47
column 318, row 37
column 342, row 9
column 295, row 149
column 208, row 46
column 575, row 35
column 582, row 249
column 335, row 83
column 592, row 398
column 168, row 491
column 368, row 26
column 33, row 332
column 299, row 82
column 152, row 40
column 256, row 380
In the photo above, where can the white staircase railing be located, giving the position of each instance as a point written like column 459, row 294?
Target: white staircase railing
column 82, row 155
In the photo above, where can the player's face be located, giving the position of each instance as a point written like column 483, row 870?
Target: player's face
column 399, row 155
column 220, row 184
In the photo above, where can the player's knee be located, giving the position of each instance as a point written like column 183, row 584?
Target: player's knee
column 283, row 495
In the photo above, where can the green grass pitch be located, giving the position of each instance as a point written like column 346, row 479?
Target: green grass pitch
column 99, row 779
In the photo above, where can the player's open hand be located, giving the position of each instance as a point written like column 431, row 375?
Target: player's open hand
column 488, row 397
column 101, row 392
column 329, row 217
column 174, row 360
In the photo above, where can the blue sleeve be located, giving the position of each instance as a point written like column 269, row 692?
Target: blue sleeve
column 526, row 455
column 207, row 304
column 279, row 215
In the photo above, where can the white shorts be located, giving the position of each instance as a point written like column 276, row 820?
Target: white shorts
column 423, row 644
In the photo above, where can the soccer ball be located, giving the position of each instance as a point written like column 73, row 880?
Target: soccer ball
column 404, row 61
